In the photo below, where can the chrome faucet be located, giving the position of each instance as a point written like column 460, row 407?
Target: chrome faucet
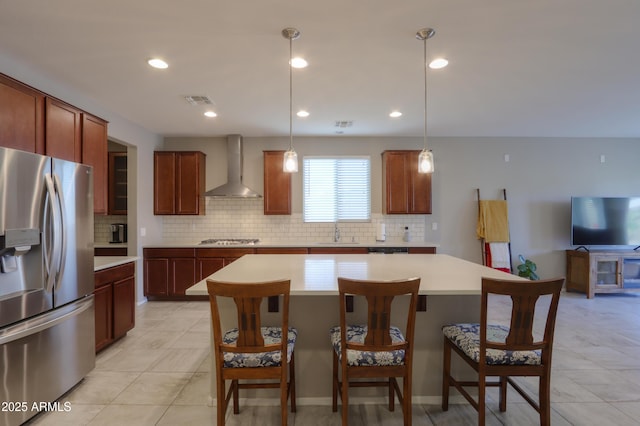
column 336, row 235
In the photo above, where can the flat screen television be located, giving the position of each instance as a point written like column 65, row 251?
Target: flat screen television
column 605, row 221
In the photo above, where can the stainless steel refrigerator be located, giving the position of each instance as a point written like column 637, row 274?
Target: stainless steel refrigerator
column 47, row 332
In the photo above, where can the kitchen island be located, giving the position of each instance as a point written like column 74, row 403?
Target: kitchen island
column 452, row 287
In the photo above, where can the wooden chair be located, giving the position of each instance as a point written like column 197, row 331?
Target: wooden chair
column 376, row 350
column 505, row 351
column 252, row 351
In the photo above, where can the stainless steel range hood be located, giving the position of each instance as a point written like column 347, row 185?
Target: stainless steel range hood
column 234, row 187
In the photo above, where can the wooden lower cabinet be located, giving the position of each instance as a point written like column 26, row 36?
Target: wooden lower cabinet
column 114, row 298
column 338, row 250
column 168, row 272
column 110, row 251
column 211, row 260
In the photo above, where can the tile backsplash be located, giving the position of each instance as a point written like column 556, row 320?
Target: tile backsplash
column 102, row 227
column 244, row 218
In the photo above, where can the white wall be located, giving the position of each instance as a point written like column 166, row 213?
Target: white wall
column 540, row 178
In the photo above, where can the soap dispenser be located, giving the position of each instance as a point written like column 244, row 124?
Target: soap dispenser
column 406, row 237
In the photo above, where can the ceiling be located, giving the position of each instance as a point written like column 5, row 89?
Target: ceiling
column 544, row 68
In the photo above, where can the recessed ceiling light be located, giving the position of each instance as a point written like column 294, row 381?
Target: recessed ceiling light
column 158, row 63
column 210, row 114
column 395, row 114
column 436, row 64
column 298, row 63
column 302, row 113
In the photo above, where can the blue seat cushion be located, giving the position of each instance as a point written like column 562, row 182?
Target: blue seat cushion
column 467, row 338
column 357, row 334
column 271, row 335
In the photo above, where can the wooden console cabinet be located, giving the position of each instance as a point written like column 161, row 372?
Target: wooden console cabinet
column 603, row 271
column 114, row 303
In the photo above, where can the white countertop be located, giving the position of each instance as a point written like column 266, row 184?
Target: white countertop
column 297, row 244
column 104, row 262
column 102, row 244
column 317, row 274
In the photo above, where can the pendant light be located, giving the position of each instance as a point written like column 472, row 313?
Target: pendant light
column 425, row 159
column 290, row 163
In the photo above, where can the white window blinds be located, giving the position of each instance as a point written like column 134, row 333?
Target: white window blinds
column 337, row 189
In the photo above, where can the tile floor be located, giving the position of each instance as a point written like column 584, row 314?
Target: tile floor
column 159, row 375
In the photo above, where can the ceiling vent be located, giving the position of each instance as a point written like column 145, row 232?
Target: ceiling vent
column 199, row 100
column 344, row 124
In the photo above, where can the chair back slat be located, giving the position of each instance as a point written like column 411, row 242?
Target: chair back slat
column 248, row 298
column 379, row 320
column 249, row 324
column 379, row 296
column 524, row 296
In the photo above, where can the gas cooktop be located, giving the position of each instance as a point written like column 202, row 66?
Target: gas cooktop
column 230, row 241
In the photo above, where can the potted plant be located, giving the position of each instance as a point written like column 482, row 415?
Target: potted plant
column 527, row 269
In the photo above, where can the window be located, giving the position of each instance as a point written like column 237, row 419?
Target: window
column 337, row 189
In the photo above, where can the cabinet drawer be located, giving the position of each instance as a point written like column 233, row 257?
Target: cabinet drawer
column 168, row 252
column 223, row 252
column 116, row 273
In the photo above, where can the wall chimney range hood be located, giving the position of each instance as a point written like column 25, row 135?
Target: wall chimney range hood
column 234, row 187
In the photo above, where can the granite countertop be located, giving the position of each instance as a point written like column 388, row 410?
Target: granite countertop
column 298, row 244
column 104, row 262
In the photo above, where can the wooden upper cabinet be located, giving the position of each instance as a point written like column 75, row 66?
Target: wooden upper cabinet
column 21, row 116
column 63, row 130
column 277, row 185
column 117, row 192
column 164, row 182
column 179, row 183
column 405, row 190
column 94, row 153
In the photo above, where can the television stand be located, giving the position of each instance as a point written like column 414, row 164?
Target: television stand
column 605, row 271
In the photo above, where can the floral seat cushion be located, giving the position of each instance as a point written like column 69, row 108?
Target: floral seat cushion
column 357, row 334
column 467, row 338
column 271, row 335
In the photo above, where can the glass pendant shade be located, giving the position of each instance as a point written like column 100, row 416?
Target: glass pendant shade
column 425, row 161
column 290, row 163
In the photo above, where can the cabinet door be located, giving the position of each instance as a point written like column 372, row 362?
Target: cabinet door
column 277, row 184
column 21, row 116
column 103, row 305
column 164, row 182
column 63, row 137
column 156, row 277
column 190, row 182
column 396, row 183
column 419, row 186
column 209, row 265
column 117, row 190
column 94, row 153
column 606, row 272
column 123, row 306
column 183, row 275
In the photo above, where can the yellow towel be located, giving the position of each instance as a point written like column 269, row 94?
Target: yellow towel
column 493, row 221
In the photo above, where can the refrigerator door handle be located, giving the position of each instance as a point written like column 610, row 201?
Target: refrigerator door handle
column 49, row 234
column 62, row 234
column 43, row 322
